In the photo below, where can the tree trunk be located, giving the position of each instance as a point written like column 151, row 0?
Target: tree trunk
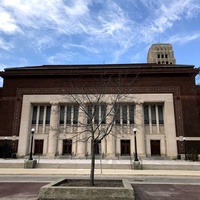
column 92, row 162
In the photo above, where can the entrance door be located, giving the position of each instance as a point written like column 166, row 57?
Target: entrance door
column 125, row 147
column 97, row 147
column 38, row 147
column 155, row 147
column 67, row 146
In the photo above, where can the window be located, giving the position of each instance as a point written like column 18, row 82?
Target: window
column 75, row 117
column 62, row 114
column 131, row 114
column 166, row 56
column 162, row 56
column 66, row 114
column 117, row 114
column 89, row 117
column 103, row 114
column 96, row 114
column 158, row 55
column 48, row 114
column 34, row 118
column 69, row 114
column 41, row 116
column 146, row 114
column 160, row 114
column 152, row 113
column 124, row 114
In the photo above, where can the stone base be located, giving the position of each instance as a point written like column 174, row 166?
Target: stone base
column 137, row 165
column 29, row 164
column 54, row 191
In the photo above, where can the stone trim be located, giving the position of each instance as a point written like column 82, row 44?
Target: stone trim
column 132, row 90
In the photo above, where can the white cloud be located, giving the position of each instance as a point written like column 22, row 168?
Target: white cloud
column 184, row 38
column 5, row 45
column 61, row 58
column 8, row 23
column 111, row 27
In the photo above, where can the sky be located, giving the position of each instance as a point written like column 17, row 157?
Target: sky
column 44, row 32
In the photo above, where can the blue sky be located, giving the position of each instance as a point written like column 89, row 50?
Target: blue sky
column 37, row 32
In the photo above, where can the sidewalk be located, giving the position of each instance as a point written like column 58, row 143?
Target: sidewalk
column 177, row 164
column 105, row 172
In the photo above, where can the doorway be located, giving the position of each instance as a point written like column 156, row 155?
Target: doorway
column 38, row 150
column 155, row 147
column 97, row 147
column 67, row 146
column 125, row 147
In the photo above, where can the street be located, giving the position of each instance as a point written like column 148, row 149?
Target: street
column 21, row 187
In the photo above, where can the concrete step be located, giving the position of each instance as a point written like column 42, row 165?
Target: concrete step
column 83, row 166
column 170, row 167
column 11, row 165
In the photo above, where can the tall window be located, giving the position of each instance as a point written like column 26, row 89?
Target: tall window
column 96, row 114
column 117, row 114
column 48, row 114
column 69, row 114
column 124, row 114
column 152, row 113
column 146, row 114
column 103, row 114
column 41, row 114
column 160, row 114
column 62, row 114
column 75, row 114
column 34, row 117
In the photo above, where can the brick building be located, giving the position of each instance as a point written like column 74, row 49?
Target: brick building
column 162, row 102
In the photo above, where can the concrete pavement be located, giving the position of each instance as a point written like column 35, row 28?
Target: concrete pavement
column 166, row 167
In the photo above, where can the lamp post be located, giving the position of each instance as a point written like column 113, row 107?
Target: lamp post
column 31, row 154
column 136, row 156
column 185, row 148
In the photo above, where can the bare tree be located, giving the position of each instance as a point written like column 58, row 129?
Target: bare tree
column 106, row 95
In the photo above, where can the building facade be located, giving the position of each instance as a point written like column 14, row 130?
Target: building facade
column 162, row 102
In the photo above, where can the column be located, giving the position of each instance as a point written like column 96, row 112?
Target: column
column 103, row 146
column 53, row 132
column 110, row 146
column 25, row 128
column 110, row 138
column 139, row 123
column 81, row 135
column 170, row 129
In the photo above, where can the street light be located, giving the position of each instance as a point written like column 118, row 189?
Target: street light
column 136, row 156
column 185, row 148
column 32, row 133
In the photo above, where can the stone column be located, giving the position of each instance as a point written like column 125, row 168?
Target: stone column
column 103, row 146
column 170, row 129
column 139, row 123
column 53, row 132
column 81, row 142
column 110, row 146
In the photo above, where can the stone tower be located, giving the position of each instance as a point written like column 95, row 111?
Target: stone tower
column 161, row 54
